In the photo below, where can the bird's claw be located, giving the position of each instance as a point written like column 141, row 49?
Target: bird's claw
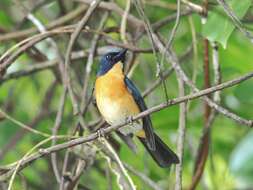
column 129, row 120
column 101, row 133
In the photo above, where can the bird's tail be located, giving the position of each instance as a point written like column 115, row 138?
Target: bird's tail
column 162, row 154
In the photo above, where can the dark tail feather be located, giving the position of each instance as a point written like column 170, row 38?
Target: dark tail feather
column 162, row 154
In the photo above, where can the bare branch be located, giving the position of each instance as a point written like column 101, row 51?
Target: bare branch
column 93, row 136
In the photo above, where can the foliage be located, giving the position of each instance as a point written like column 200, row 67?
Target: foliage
column 34, row 99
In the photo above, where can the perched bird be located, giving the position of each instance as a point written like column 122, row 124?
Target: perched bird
column 118, row 99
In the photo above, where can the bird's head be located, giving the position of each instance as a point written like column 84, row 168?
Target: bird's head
column 109, row 60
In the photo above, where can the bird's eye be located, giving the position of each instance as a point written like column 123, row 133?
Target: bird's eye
column 108, row 57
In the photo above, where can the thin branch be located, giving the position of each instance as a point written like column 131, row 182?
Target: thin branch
column 124, row 179
column 93, row 136
column 55, row 129
column 22, row 125
column 42, row 29
column 43, row 113
column 16, row 169
column 58, row 22
column 203, row 147
column 124, row 22
column 81, row 165
column 181, row 135
column 143, row 177
column 89, row 63
column 170, row 55
column 217, row 70
column 175, row 27
column 194, row 7
column 41, row 66
column 166, row 74
column 235, row 20
column 149, row 31
column 109, row 6
column 72, row 40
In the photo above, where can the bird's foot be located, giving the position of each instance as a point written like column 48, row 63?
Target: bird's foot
column 101, row 133
column 130, row 120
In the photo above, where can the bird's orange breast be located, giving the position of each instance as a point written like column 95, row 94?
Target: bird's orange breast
column 114, row 101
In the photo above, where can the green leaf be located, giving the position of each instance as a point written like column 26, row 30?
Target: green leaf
column 218, row 26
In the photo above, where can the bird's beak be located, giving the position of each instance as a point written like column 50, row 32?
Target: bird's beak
column 120, row 56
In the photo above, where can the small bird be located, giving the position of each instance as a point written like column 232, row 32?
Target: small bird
column 118, row 99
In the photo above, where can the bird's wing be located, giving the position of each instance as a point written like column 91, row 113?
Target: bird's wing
column 147, row 124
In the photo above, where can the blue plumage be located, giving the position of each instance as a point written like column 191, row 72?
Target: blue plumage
column 109, row 60
column 118, row 98
column 147, row 124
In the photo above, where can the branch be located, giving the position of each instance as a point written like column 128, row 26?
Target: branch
column 58, row 22
column 72, row 40
column 203, row 147
column 235, row 20
column 143, row 177
column 181, row 135
column 93, row 136
column 170, row 55
column 134, row 22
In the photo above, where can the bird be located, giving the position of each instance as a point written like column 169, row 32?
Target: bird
column 118, row 100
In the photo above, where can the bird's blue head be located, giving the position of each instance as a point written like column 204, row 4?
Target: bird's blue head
column 109, row 60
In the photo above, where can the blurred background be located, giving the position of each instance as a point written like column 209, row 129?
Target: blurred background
column 31, row 88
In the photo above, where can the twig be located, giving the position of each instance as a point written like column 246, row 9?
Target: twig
column 81, row 165
column 194, row 7
column 162, row 4
column 24, row 157
column 149, row 30
column 89, row 63
column 195, row 50
column 170, row 55
column 74, row 56
column 157, row 25
column 121, row 172
column 129, row 46
column 124, row 22
column 143, row 177
column 64, row 168
column 22, row 125
column 109, row 129
column 134, row 22
column 55, row 129
column 170, row 39
column 165, row 74
column 7, row 59
column 216, row 69
column 161, row 23
column 58, row 22
column 181, row 135
column 175, row 27
column 203, row 147
column 40, row 67
column 108, row 178
column 58, row 120
column 235, row 20
column 43, row 113
column 72, row 40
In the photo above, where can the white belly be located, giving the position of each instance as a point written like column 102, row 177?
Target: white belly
column 114, row 114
